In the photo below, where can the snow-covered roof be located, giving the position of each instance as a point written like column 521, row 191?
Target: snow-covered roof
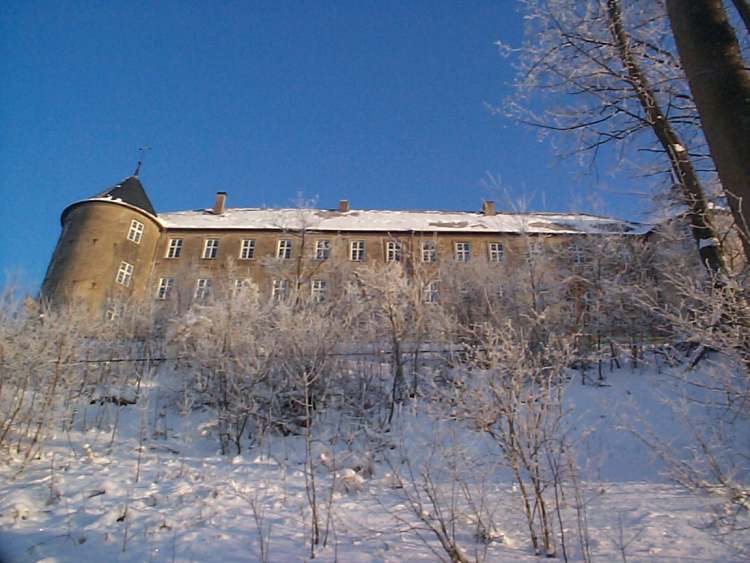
column 400, row 221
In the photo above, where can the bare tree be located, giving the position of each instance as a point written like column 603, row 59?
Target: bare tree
column 433, row 491
column 720, row 83
column 392, row 300
column 610, row 68
column 711, row 394
column 743, row 7
column 61, row 369
column 515, row 397
column 300, row 259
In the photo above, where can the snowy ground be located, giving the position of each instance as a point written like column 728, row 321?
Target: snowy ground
column 95, row 497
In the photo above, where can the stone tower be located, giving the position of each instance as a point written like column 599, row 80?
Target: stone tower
column 105, row 252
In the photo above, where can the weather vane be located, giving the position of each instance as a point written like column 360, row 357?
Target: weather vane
column 141, row 155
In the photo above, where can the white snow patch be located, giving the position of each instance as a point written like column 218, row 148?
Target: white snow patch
column 401, row 221
column 197, row 506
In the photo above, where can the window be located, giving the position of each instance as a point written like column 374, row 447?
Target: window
column 210, row 248
column 357, row 250
column 499, row 291
column 114, row 310
column 203, row 289
column 496, row 252
column 577, row 253
column 124, row 274
column 534, row 250
column 393, row 251
column 318, row 290
column 247, row 250
column 174, row 248
column 430, row 292
column 240, row 287
column 463, row 251
column 623, row 251
column 165, row 288
column 322, row 249
column 429, row 251
column 280, row 290
column 465, row 293
column 284, row 249
column 136, row 231
column 355, row 289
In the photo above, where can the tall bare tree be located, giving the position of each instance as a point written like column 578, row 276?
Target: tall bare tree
column 607, row 75
column 743, row 7
column 720, row 84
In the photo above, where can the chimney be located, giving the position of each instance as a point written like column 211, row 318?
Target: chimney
column 488, row 208
column 221, row 203
column 344, row 205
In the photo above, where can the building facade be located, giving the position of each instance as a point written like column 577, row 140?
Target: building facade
column 115, row 248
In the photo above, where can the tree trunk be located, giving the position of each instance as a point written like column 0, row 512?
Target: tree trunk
column 744, row 9
column 682, row 167
column 720, row 84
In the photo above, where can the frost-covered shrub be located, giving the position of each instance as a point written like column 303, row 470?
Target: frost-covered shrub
column 64, row 369
column 261, row 366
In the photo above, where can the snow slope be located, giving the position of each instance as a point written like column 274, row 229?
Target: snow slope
column 154, row 488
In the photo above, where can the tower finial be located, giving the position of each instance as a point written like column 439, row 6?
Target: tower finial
column 141, row 155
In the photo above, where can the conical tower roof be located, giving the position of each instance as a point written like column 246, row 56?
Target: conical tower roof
column 131, row 191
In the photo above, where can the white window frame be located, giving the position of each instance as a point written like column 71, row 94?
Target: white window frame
column 431, row 292
column 462, row 251
column 135, row 234
column 284, row 249
column 166, row 285
column 355, row 289
column 578, row 253
column 124, row 274
column 279, row 290
column 499, row 291
column 357, row 251
column 322, row 249
column 624, row 251
column 429, row 251
column 319, row 291
column 534, row 250
column 210, row 249
column 247, row 249
column 114, row 310
column 240, row 286
column 495, row 252
column 174, row 248
column 203, row 289
column 464, row 292
column 393, row 251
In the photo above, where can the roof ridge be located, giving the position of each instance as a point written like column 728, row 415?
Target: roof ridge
column 209, row 210
column 385, row 220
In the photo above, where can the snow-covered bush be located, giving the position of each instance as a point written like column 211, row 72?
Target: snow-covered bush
column 267, row 366
column 709, row 323
column 513, row 393
column 62, row 369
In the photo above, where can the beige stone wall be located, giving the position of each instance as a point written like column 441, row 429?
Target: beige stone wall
column 302, row 266
column 93, row 243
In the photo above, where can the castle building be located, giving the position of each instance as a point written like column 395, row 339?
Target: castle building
column 115, row 248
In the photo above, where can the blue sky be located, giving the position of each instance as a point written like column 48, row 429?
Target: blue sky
column 384, row 103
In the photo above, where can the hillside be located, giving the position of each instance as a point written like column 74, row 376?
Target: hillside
column 146, row 482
